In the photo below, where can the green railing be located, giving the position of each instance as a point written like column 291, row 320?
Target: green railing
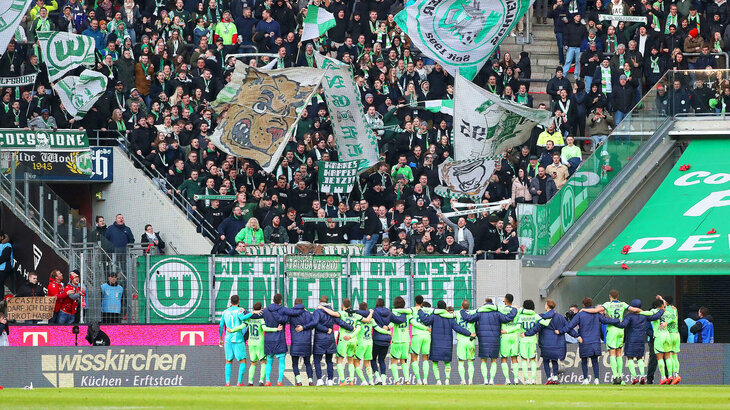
column 542, row 226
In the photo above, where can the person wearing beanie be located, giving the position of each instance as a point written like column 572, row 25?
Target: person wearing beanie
column 693, row 44
column 557, row 83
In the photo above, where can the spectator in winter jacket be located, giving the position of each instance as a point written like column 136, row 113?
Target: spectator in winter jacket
column 623, row 98
column 542, row 187
column 69, row 305
column 557, row 83
column 275, row 233
column 558, row 171
column 152, row 238
column 119, row 234
column 56, row 288
column 252, row 234
column 31, row 288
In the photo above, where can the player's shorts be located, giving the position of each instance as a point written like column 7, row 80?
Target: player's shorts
column 235, row 351
column 364, row 351
column 399, row 351
column 674, row 342
column 421, row 344
column 528, row 350
column 256, row 352
column 509, row 346
column 465, row 350
column 614, row 338
column 661, row 343
column 347, row 348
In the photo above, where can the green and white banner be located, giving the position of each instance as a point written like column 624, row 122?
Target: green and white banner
column 337, row 177
column 11, row 14
column 460, row 34
column 290, row 249
column 355, row 140
column 212, row 197
column 485, row 124
column 79, row 94
column 442, row 106
column 65, row 51
column 683, row 229
column 196, row 289
column 317, row 22
column 43, row 140
column 617, row 18
column 18, row 81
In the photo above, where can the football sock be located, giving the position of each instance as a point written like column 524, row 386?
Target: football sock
column 632, row 368
column 241, row 371
column 676, row 363
column 462, row 371
column 262, row 373
column 534, row 369
column 505, row 370
column 228, row 372
column 485, row 373
column 416, row 371
column 516, row 370
column 436, row 371
column 447, row 369
column 642, row 369
column 470, row 371
column 406, row 372
column 282, row 366
column 524, row 368
column 619, row 366
column 426, row 370
column 341, row 372
column 612, row 362
column 251, row 372
column 394, row 370
column 492, row 371
column 351, row 371
column 660, row 365
column 359, row 373
column 269, row 362
column 369, row 372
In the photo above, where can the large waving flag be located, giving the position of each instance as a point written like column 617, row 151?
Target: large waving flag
column 11, row 13
column 65, row 51
column 79, row 94
column 486, row 125
column 317, row 22
column 442, row 106
column 460, row 34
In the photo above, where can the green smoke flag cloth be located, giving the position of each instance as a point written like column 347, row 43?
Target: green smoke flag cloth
column 442, row 106
column 461, row 35
column 317, row 22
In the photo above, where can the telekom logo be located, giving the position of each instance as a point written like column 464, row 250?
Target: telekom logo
column 35, row 338
column 192, row 336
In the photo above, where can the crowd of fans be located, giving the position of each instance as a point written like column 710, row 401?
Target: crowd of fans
column 167, row 61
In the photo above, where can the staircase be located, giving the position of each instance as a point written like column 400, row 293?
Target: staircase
column 543, row 54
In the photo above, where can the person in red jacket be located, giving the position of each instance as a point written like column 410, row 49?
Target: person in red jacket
column 67, row 314
column 57, row 289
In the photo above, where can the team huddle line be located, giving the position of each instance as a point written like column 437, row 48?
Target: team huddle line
column 504, row 333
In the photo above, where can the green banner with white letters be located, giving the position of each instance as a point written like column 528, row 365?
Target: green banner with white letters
column 683, row 229
column 182, row 289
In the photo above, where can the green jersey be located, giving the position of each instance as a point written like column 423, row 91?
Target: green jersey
column 670, row 316
column 470, row 326
column 527, row 320
column 255, row 331
column 352, row 320
column 655, row 325
column 615, row 309
column 400, row 333
column 514, row 325
column 366, row 333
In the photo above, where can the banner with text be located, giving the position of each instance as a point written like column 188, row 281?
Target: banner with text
column 43, row 140
column 95, row 165
column 354, row 138
column 18, row 81
column 31, row 308
column 337, row 177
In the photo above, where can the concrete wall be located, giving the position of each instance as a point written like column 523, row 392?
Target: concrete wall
column 141, row 202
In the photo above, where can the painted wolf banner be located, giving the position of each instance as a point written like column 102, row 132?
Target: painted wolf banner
column 261, row 109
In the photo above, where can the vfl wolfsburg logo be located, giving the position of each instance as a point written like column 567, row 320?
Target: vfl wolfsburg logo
column 467, row 21
column 174, row 289
column 64, row 51
column 10, row 12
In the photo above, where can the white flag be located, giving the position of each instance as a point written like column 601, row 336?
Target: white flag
column 442, row 106
column 11, row 13
column 460, row 34
column 65, row 51
column 355, row 139
column 79, row 94
column 317, row 22
column 465, row 178
column 486, row 125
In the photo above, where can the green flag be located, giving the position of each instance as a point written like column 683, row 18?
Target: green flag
column 442, row 106
column 317, row 22
column 65, row 51
column 79, row 94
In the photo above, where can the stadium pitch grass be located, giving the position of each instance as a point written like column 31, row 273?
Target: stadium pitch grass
column 562, row 396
